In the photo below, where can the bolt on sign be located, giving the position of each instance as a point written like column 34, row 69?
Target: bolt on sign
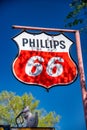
column 44, row 59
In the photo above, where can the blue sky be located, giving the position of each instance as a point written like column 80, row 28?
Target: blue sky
column 64, row 100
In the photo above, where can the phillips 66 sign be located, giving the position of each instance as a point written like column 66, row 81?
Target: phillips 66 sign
column 44, row 60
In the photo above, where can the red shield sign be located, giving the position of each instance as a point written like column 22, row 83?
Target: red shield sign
column 44, row 60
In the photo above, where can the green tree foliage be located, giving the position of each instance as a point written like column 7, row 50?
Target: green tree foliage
column 11, row 105
column 78, row 15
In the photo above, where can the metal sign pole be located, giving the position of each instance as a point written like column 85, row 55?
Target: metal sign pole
column 42, row 29
column 81, row 73
column 79, row 55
